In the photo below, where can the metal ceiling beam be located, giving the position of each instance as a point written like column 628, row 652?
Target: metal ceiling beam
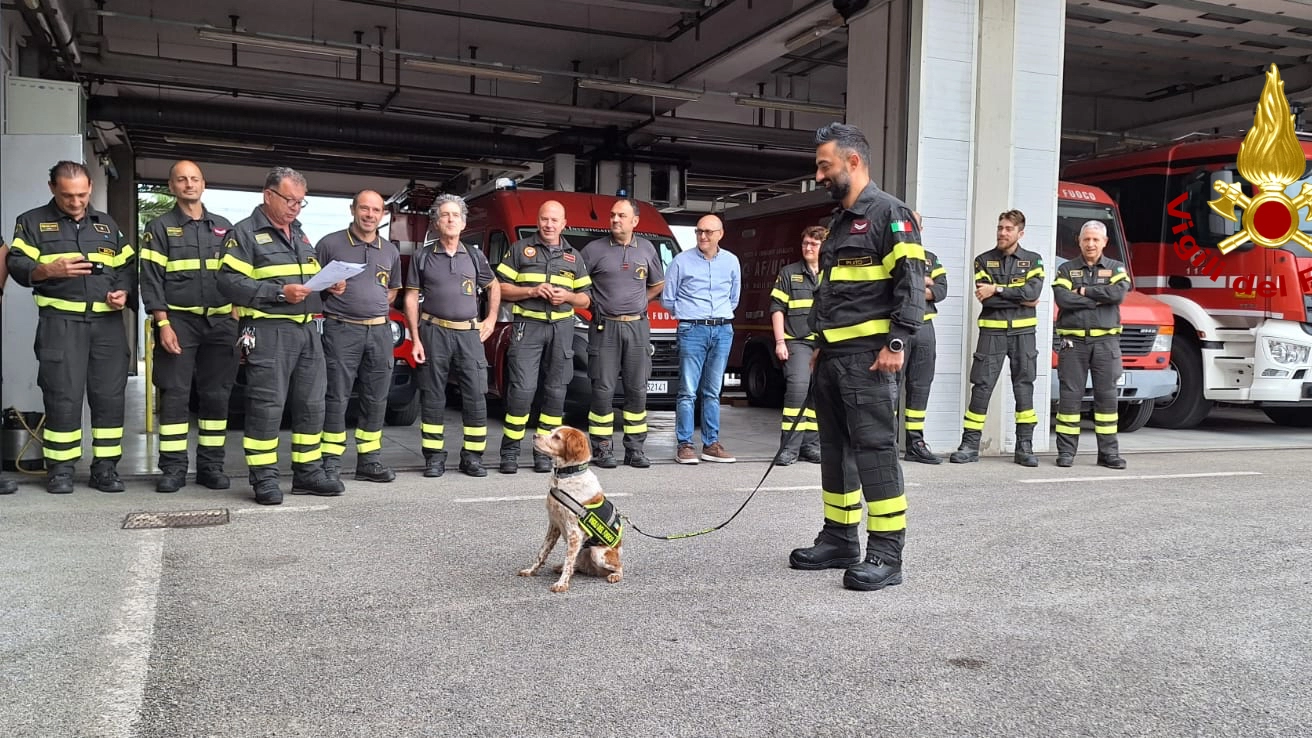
column 1236, row 10
column 1087, row 39
column 1204, row 28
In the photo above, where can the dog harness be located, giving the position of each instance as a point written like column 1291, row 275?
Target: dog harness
column 600, row 520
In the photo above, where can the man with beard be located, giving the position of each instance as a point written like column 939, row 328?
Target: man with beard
column 869, row 303
column 1008, row 281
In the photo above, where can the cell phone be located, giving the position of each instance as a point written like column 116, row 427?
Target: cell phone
column 97, row 268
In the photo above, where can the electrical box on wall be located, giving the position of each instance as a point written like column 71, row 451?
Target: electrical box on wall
column 44, row 106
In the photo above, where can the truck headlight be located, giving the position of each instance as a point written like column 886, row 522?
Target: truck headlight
column 1284, row 352
column 398, row 332
column 1162, row 342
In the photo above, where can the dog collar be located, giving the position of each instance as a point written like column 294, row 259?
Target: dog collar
column 571, row 471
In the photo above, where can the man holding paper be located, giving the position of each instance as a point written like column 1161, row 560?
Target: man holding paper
column 267, row 264
column 357, row 340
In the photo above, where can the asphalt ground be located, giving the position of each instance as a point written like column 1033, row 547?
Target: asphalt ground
column 1171, row 599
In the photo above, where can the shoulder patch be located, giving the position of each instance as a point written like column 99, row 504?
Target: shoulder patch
column 992, row 264
column 173, row 231
column 530, row 252
column 383, row 277
column 900, row 226
column 102, row 227
column 860, row 226
column 229, row 243
column 263, row 238
column 146, row 237
column 640, row 272
column 49, row 227
column 220, row 232
column 567, row 256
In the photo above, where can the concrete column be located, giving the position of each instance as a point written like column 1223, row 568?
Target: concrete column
column 984, row 119
column 560, row 172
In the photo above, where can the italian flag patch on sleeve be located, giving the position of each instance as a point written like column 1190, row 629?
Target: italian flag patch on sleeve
column 900, row 226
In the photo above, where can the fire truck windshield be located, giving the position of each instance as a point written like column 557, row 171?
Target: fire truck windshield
column 1071, row 216
column 580, row 237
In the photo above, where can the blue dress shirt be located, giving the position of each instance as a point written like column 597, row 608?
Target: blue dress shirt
column 697, row 288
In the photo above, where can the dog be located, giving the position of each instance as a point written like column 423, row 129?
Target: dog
column 573, row 485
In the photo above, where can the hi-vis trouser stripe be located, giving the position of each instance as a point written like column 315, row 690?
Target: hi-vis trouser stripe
column 305, row 447
column 915, row 420
column 548, row 423
column 1067, row 424
column 333, row 443
column 107, row 443
column 635, row 423
column 514, row 426
column 973, row 421
column 1027, row 417
column 886, row 516
column 434, row 438
column 213, row 432
column 367, row 441
column 1105, row 423
column 173, row 437
column 476, row 438
column 260, row 451
column 62, row 446
column 807, row 423
column 601, row 425
column 843, row 508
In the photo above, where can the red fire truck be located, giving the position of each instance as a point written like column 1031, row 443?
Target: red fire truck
column 769, row 236
column 1243, row 334
column 499, row 218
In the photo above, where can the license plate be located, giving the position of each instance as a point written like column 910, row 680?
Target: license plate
column 658, row 387
column 1120, row 381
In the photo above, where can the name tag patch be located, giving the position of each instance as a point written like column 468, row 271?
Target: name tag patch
column 1104, row 272
column 49, row 227
column 992, row 264
column 568, row 257
column 567, row 274
column 105, row 251
column 263, row 238
column 859, row 261
column 1023, row 264
column 101, row 227
column 796, row 278
column 173, row 231
column 1077, row 272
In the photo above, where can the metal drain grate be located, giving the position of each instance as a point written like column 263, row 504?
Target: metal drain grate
column 183, row 519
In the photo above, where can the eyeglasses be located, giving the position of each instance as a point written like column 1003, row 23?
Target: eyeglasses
column 291, row 201
column 705, row 231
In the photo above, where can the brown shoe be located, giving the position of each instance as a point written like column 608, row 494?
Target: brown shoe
column 686, row 454
column 716, row 452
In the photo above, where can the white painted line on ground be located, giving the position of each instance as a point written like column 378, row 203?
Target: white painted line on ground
column 281, row 509
column 521, row 498
column 812, row 487
column 1113, row 476
column 130, row 640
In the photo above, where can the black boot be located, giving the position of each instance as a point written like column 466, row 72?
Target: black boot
column 603, row 455
column 968, row 451
column 509, row 463
column 918, row 450
column 471, row 463
column 267, row 491
column 104, row 477
column 435, row 464
column 213, row 478
column 1025, row 452
column 872, row 574
column 8, row 486
column 635, row 458
column 59, row 483
column 332, row 467
column 810, row 453
column 835, row 548
column 171, row 480
column 785, row 457
column 316, row 483
column 541, row 463
column 1065, row 460
column 1109, row 452
column 374, row 471
column 1111, row 462
column 788, row 445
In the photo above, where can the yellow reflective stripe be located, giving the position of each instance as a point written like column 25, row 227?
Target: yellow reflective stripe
column 582, row 283
column 333, row 437
column 903, row 250
column 506, row 271
column 51, row 436
column 475, row 445
column 115, row 261
column 561, row 280
column 982, row 276
column 367, row 447
column 283, row 270
column 154, row 256
column 530, row 277
column 1017, row 323
column 306, row 439
column 1105, row 417
column 858, row 273
column 632, row 429
column 1090, row 332
column 938, row 272
column 805, row 302
column 911, row 425
column 779, row 295
column 842, row 516
column 539, row 315
column 971, row 415
column 71, row 306
column 867, row 328
column 1063, row 282
column 516, row 419
column 218, row 425
column 26, row 249
column 433, row 428
column 100, row 452
column 237, row 265
column 475, row 431
column 1067, row 430
column 173, row 446
column 886, row 507
column 1104, row 430
column 52, row 258
column 220, row 310
column 106, row 433
column 434, row 444
column 987, row 323
column 1068, row 417
column 174, row 429
column 68, row 454
column 886, row 524
column 1119, row 277
column 188, row 265
column 553, row 420
column 209, row 441
column 601, row 430
column 598, row 418
column 1027, row 416
column 259, row 444
column 367, row 435
column 638, row 417
column 1035, row 272
column 295, row 318
column 514, row 434
column 842, row 499
column 305, row 457
column 268, row 459
column 914, row 413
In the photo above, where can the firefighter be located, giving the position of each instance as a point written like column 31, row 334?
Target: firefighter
column 1089, row 292
column 870, row 302
column 268, row 260
column 790, row 311
column 1008, row 281
column 443, row 280
column 7, row 486
column 921, row 359
column 626, row 275
column 546, row 279
column 81, row 268
column 196, row 335
column 357, row 338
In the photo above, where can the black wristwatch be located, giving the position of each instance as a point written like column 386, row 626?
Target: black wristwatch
column 281, row 296
column 896, row 345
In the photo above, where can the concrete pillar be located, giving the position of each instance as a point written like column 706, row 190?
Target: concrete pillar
column 609, row 177
column 560, row 173
column 984, row 119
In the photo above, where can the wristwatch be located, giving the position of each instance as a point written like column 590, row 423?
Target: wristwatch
column 998, row 289
column 896, row 345
column 281, row 297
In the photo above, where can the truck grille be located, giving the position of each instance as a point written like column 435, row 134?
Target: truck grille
column 1137, row 340
column 665, row 357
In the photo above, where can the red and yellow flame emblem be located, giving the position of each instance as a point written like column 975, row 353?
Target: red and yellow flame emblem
column 1270, row 159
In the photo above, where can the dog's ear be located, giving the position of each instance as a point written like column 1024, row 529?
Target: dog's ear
column 574, row 443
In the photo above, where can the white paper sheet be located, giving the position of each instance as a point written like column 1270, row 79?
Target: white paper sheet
column 334, row 272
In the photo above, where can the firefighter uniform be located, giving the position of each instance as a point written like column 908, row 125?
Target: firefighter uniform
column 180, row 259
column 619, row 341
column 286, row 364
column 1006, row 332
column 918, row 372
column 77, row 332
column 448, row 287
column 871, row 296
column 1088, row 329
column 542, row 340
column 358, row 342
column 793, row 295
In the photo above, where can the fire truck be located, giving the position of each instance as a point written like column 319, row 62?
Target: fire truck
column 768, row 236
column 1243, row 334
column 506, row 214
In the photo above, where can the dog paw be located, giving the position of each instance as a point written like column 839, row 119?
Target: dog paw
column 527, row 572
column 559, row 587
column 613, row 578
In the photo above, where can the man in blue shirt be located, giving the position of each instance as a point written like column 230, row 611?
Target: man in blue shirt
column 702, row 287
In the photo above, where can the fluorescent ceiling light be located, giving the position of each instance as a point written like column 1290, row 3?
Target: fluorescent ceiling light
column 217, row 143
column 634, row 87
column 491, row 71
column 794, row 106
column 365, row 155
column 281, row 44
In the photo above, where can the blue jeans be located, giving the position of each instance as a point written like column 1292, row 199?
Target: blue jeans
column 703, row 356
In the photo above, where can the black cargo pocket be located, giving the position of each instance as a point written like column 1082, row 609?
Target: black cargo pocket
column 979, row 368
column 480, row 375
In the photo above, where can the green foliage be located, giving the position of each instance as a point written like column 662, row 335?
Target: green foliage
column 151, row 205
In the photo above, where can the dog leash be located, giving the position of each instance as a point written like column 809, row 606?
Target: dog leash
column 676, row 536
